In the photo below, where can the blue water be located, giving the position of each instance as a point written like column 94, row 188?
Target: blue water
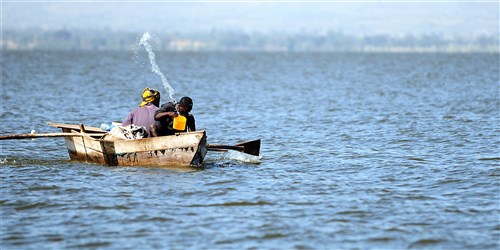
column 359, row 151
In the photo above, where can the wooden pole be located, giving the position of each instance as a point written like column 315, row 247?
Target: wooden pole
column 31, row 136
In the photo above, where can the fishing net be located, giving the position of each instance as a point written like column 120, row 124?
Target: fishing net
column 128, row 132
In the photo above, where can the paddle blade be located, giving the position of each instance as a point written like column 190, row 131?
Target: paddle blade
column 251, row 147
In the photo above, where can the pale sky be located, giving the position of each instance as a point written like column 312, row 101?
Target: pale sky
column 389, row 17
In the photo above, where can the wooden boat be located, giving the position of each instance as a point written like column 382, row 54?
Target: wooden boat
column 87, row 144
column 94, row 145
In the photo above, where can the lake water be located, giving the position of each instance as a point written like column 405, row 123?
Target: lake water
column 359, row 151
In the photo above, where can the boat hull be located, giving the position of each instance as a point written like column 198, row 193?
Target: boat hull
column 182, row 149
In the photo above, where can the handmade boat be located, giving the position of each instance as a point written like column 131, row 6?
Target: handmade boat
column 94, row 145
column 90, row 145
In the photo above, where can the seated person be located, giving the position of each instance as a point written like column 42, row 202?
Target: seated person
column 144, row 114
column 165, row 117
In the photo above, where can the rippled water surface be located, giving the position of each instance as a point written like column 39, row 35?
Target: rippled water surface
column 359, row 151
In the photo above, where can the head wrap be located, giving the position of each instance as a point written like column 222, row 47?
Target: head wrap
column 187, row 103
column 149, row 96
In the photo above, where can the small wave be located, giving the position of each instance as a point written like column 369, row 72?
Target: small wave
column 381, row 239
column 234, row 204
column 41, row 188
column 54, row 237
column 245, row 203
column 217, row 183
column 274, row 236
column 123, row 194
column 454, row 210
column 353, row 212
column 425, row 242
column 338, row 221
column 13, row 238
column 396, row 229
column 490, row 159
column 160, row 219
column 419, row 197
column 416, row 159
column 93, row 244
column 398, row 141
column 33, row 206
column 148, row 218
column 306, row 203
column 417, row 224
column 448, row 181
column 99, row 207
column 221, row 192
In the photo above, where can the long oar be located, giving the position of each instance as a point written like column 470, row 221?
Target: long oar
column 30, row 136
column 251, row 147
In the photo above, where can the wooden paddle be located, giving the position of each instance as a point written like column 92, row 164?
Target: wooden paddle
column 250, row 147
column 30, row 136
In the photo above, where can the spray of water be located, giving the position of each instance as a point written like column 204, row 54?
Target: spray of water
column 154, row 67
column 242, row 157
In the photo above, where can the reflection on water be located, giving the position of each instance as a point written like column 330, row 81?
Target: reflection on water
column 358, row 151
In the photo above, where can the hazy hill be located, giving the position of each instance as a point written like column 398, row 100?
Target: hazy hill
column 448, row 18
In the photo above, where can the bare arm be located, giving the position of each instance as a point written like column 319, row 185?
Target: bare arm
column 191, row 123
column 162, row 115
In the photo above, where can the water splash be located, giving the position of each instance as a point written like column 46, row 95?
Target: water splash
column 154, row 67
column 242, row 157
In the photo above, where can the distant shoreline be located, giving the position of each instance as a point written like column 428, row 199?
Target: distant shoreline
column 37, row 39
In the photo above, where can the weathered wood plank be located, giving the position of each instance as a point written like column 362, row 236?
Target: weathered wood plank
column 182, row 140
column 76, row 127
column 86, row 148
column 45, row 135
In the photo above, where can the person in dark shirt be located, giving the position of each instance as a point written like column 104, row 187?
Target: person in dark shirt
column 165, row 117
column 144, row 114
